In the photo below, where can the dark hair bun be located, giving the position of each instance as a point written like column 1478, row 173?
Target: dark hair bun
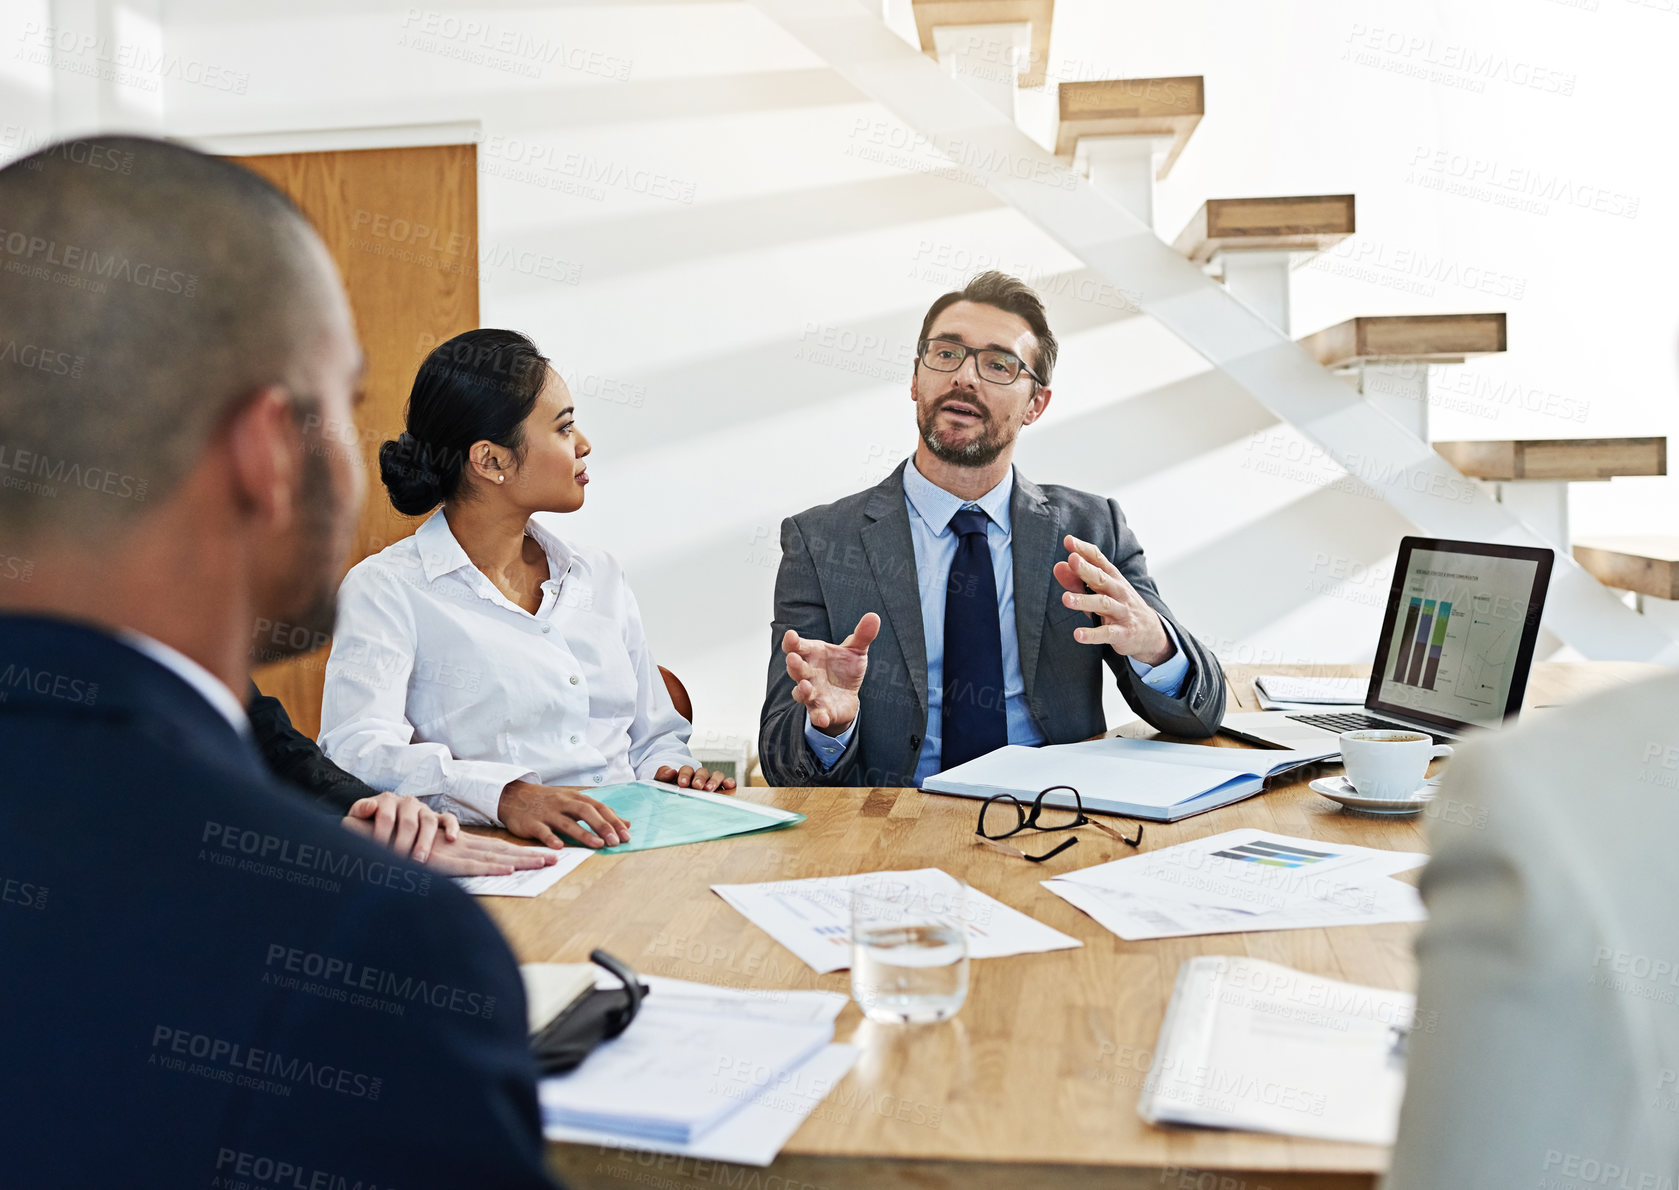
column 411, row 475
column 477, row 387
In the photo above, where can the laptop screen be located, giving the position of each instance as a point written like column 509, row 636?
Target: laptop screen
column 1458, row 636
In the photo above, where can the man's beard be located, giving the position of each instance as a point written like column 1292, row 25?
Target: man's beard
column 311, row 627
column 980, row 452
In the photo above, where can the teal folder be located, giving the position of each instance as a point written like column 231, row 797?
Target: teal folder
column 666, row 815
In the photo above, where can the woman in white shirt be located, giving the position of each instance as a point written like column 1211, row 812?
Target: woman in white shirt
column 484, row 661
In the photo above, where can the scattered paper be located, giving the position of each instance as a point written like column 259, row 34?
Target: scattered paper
column 529, row 882
column 812, row 918
column 1244, row 880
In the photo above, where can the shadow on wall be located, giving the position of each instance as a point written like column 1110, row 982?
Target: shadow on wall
column 823, row 363
column 1252, row 577
column 1105, row 449
column 646, row 241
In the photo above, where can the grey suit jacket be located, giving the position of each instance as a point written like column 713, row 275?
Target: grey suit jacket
column 855, row 555
column 1546, row 1049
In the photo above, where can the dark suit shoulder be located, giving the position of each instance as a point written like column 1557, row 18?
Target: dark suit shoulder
column 259, row 980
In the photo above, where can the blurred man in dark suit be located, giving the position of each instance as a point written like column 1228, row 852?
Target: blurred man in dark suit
column 204, row 978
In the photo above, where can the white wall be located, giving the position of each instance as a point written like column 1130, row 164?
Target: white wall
column 739, row 258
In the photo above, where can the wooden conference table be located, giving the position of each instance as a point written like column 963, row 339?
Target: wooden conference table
column 1035, row 1082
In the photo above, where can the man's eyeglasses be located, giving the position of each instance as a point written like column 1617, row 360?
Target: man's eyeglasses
column 999, row 367
column 1004, row 816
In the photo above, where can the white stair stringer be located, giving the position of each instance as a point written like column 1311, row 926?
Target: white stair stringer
column 1270, row 366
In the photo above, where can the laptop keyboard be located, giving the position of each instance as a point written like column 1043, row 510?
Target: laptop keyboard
column 1353, row 721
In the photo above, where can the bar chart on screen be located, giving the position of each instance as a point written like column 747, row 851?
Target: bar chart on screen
column 1456, row 634
column 1422, row 642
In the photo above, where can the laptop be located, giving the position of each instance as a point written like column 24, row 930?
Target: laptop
column 1456, row 646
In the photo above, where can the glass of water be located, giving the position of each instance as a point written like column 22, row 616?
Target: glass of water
column 909, row 950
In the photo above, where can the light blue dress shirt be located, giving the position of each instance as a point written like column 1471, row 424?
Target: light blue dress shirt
column 930, row 510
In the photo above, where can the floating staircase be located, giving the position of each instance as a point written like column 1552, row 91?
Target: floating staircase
column 1253, row 244
column 992, row 46
column 1125, row 134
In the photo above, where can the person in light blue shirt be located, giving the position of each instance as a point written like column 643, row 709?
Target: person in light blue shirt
column 930, row 511
column 996, row 641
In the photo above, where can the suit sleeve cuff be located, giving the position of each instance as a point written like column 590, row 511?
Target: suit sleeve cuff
column 827, row 748
column 1168, row 677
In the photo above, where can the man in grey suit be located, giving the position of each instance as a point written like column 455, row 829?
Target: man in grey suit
column 969, row 632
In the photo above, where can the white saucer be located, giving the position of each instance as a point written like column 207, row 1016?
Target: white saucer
column 1339, row 789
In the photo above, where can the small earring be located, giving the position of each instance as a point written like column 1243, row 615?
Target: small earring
column 501, row 478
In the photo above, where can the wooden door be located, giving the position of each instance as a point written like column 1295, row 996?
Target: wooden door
column 402, row 225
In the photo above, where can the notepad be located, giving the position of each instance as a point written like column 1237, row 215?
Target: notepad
column 662, row 815
column 1150, row 779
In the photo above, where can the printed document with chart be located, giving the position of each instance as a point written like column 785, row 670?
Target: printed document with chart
column 1254, row 1045
column 1244, row 880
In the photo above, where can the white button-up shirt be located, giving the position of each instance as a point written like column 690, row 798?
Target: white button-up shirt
column 441, row 687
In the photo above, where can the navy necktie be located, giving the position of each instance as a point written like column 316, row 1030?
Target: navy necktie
column 974, row 719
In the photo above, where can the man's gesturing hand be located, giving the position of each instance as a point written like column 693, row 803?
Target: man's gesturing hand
column 826, row 678
column 1127, row 625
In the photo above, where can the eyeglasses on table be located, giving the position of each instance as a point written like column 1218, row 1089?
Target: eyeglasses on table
column 997, row 823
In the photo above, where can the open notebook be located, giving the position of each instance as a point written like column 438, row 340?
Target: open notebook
column 1149, row 779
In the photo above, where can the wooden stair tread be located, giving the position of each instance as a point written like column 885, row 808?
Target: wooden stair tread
column 1131, row 107
column 1411, row 338
column 1557, row 458
column 1037, row 13
column 1648, row 565
column 1303, row 223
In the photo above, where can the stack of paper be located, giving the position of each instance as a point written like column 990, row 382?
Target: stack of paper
column 709, row 1072
column 1244, row 880
column 812, row 918
column 1150, row 779
column 1249, row 1044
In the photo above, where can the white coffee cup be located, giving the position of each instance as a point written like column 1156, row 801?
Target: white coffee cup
column 1388, row 764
